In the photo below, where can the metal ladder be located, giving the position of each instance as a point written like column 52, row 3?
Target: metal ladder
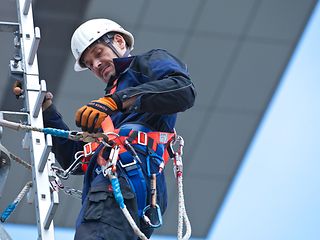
column 24, row 66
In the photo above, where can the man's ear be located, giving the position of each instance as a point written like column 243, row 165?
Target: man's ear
column 119, row 40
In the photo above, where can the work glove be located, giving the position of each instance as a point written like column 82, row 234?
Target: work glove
column 90, row 116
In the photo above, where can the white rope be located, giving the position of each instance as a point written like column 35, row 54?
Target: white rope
column 133, row 224
column 119, row 198
column 182, row 213
column 24, row 190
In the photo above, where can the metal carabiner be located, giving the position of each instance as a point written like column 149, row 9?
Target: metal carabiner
column 109, row 166
column 152, row 216
column 87, row 137
column 177, row 155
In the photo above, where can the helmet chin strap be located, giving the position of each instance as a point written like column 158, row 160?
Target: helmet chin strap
column 108, row 40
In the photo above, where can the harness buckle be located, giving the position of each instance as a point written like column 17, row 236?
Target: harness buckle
column 142, row 138
column 163, row 138
column 87, row 149
column 127, row 164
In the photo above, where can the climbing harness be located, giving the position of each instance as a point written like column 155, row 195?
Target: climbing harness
column 108, row 168
column 120, row 145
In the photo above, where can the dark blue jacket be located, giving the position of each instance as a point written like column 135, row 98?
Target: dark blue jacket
column 162, row 85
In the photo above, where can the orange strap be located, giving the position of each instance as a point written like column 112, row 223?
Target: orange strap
column 114, row 87
column 142, row 138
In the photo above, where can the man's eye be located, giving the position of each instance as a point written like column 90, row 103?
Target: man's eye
column 98, row 53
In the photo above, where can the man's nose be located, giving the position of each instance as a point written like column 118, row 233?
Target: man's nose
column 96, row 64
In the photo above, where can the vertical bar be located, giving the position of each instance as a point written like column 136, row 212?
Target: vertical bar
column 26, row 7
column 34, row 46
column 52, row 210
column 45, row 153
column 40, row 98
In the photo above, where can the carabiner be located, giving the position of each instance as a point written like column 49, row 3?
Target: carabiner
column 152, row 216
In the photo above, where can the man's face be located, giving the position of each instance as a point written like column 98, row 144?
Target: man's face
column 99, row 59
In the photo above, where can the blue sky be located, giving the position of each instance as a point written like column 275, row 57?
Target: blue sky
column 276, row 192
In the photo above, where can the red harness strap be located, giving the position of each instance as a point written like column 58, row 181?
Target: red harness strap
column 88, row 151
column 150, row 139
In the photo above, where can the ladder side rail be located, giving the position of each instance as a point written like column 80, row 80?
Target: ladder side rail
column 36, row 140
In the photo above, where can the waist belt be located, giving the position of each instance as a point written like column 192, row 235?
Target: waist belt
column 155, row 141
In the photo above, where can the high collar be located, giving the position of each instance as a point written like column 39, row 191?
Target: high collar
column 120, row 65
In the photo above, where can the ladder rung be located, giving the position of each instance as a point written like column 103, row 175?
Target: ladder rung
column 9, row 26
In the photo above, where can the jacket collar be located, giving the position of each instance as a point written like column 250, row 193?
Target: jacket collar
column 121, row 65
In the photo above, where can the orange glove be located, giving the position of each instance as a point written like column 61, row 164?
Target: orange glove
column 90, row 116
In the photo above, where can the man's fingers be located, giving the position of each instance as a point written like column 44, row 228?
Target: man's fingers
column 17, row 88
column 49, row 96
column 89, row 119
column 98, row 122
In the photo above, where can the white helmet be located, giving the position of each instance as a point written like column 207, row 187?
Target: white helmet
column 90, row 31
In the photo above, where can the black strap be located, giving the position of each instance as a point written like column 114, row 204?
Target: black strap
column 132, row 136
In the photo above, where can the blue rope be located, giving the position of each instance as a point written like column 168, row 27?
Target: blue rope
column 7, row 212
column 56, row 132
column 117, row 191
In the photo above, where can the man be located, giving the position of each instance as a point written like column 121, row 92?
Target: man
column 143, row 94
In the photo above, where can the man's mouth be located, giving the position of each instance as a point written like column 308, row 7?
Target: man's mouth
column 105, row 70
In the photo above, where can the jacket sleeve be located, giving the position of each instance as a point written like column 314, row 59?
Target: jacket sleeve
column 64, row 149
column 166, row 85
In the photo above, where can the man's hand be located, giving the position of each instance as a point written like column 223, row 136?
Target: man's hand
column 17, row 90
column 90, row 116
column 47, row 101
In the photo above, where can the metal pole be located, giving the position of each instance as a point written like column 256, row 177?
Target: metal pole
column 30, row 37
